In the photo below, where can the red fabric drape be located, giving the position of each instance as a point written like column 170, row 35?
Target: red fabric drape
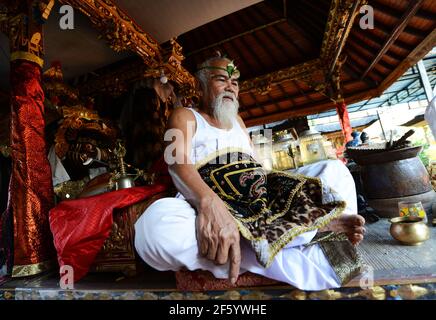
column 344, row 120
column 80, row 227
column 31, row 190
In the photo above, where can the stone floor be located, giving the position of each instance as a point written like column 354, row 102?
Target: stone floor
column 394, row 272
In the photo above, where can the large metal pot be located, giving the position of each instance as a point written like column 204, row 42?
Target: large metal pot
column 391, row 176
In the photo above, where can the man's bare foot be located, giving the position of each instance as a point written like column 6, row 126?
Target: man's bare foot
column 350, row 224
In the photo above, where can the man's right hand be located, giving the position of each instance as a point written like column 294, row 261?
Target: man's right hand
column 218, row 235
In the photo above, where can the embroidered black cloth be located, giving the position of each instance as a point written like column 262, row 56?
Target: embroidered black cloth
column 270, row 209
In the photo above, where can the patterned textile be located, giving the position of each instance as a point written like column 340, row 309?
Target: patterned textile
column 201, row 280
column 26, row 246
column 270, row 209
column 81, row 226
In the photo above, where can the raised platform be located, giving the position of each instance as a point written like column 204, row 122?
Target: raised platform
column 399, row 272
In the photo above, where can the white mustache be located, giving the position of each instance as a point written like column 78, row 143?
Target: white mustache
column 225, row 115
column 228, row 95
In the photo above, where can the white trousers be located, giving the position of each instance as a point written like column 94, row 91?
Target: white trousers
column 165, row 239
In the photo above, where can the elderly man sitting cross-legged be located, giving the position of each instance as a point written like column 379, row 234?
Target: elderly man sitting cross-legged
column 230, row 216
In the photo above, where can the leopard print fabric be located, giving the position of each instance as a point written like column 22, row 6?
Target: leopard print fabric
column 270, row 209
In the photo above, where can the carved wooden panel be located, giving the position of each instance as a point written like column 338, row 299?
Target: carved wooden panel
column 118, row 251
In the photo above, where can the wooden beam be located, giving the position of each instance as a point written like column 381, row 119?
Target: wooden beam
column 357, row 47
column 304, row 94
column 404, row 20
column 348, row 68
column 248, row 109
column 358, row 42
column 395, row 13
column 312, row 108
column 250, row 49
column 304, row 110
column 247, row 47
column 386, row 29
column 375, row 70
column 298, row 48
column 417, row 54
column 310, row 16
column 291, row 98
column 256, row 15
column 378, row 40
column 282, row 90
column 239, row 35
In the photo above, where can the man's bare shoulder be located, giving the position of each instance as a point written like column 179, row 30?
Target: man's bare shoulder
column 241, row 122
column 180, row 116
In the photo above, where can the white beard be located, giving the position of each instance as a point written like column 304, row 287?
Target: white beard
column 225, row 110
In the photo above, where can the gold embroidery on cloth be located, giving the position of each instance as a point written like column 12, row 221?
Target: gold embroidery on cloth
column 268, row 248
column 343, row 258
column 31, row 269
column 22, row 55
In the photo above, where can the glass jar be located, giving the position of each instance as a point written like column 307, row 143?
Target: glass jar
column 262, row 148
column 312, row 147
column 284, row 150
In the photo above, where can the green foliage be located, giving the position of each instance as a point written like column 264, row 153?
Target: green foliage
column 423, row 154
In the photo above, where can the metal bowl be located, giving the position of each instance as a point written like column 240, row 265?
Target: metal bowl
column 411, row 231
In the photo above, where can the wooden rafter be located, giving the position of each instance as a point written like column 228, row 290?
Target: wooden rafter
column 403, row 21
column 272, row 40
column 302, row 31
column 349, row 68
column 216, row 44
column 355, row 41
column 291, row 41
column 248, row 109
column 420, row 51
column 268, row 38
column 395, row 13
column 379, row 40
column 367, row 55
column 307, row 16
column 425, row 46
column 290, row 98
column 358, row 47
column 287, row 96
column 244, row 42
column 276, row 27
column 305, row 94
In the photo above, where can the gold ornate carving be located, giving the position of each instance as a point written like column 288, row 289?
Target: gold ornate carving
column 22, row 23
column 45, row 8
column 263, row 83
column 70, row 189
column 5, row 150
column 31, row 269
column 339, row 24
column 323, row 74
column 79, row 118
column 121, row 32
column 173, row 66
column 117, row 238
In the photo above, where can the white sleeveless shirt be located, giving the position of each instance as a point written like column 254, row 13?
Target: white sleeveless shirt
column 208, row 140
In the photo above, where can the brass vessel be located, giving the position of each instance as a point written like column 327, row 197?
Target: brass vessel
column 409, row 230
